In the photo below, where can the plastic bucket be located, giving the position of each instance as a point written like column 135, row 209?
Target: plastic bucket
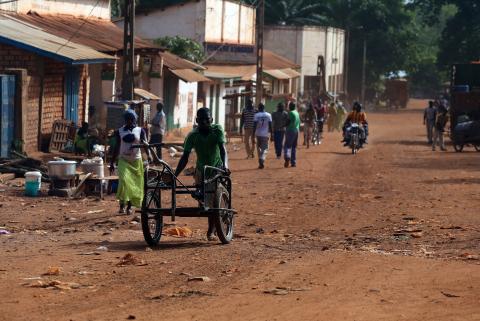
column 33, row 181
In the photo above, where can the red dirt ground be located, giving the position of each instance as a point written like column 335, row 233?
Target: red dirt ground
column 389, row 234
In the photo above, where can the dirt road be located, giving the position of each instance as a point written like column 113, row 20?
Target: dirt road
column 392, row 233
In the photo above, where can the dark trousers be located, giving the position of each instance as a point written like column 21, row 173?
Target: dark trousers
column 157, row 139
column 291, row 140
column 278, row 137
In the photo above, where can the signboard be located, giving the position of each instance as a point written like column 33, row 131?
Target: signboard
column 228, row 53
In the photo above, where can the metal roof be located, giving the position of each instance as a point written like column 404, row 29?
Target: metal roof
column 278, row 74
column 273, row 61
column 230, row 71
column 247, row 72
column 174, row 62
column 30, row 38
column 101, row 35
column 189, row 75
column 145, row 94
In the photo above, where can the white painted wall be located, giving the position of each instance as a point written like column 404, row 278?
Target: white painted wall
column 182, row 115
column 200, row 21
column 229, row 22
column 211, row 100
column 78, row 8
column 187, row 20
column 303, row 45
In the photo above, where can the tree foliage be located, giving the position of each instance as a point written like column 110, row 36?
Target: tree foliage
column 460, row 39
column 421, row 37
column 183, row 47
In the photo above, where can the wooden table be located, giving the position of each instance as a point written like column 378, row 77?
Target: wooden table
column 99, row 185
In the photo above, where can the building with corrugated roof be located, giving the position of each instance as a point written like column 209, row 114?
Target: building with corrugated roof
column 71, row 55
column 226, row 30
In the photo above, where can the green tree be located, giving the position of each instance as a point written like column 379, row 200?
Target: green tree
column 460, row 39
column 293, row 12
column 183, row 47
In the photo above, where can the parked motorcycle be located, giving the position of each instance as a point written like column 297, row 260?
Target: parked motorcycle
column 466, row 132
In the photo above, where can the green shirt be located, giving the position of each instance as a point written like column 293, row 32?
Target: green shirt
column 294, row 120
column 206, row 146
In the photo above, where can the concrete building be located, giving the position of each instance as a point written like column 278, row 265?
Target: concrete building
column 226, row 29
column 305, row 45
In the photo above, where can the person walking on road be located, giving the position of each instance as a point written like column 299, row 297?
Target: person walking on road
column 340, row 119
column 130, row 163
column 291, row 136
column 279, row 123
column 439, row 128
column 429, row 117
column 159, row 126
column 263, row 133
column 309, row 120
column 246, row 124
column 332, row 116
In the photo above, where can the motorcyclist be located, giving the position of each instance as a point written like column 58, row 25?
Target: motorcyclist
column 359, row 117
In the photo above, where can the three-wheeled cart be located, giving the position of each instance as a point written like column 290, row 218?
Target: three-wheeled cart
column 162, row 187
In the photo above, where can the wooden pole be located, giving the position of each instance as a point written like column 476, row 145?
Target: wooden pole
column 128, row 51
column 364, row 66
column 260, row 30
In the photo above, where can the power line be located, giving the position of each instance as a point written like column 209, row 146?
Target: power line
column 8, row 1
column 78, row 29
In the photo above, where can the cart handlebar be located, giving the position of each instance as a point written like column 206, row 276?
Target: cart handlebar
column 147, row 146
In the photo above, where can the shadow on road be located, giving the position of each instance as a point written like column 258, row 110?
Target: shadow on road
column 405, row 142
column 139, row 246
column 447, row 161
column 453, row 181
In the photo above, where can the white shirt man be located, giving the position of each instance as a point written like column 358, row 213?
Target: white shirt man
column 263, row 132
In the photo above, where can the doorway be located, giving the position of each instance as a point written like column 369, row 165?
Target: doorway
column 72, row 86
column 7, row 113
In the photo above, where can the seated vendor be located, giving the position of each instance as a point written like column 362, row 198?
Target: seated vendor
column 81, row 140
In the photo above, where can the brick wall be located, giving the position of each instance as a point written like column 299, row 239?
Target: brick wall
column 53, row 97
column 82, row 95
column 11, row 57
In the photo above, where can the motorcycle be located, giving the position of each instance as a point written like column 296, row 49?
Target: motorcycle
column 317, row 132
column 354, row 137
column 466, row 132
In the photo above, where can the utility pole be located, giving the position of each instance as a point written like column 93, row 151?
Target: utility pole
column 128, row 50
column 364, row 66
column 346, row 58
column 260, row 27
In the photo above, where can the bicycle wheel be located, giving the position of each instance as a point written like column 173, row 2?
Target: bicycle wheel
column 152, row 224
column 223, row 221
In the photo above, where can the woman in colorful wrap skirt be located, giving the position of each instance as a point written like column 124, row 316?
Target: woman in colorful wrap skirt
column 130, row 163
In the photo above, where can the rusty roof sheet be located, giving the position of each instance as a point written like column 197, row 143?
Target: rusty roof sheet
column 247, row 72
column 230, row 71
column 189, row 75
column 145, row 94
column 28, row 37
column 174, row 62
column 101, row 35
column 273, row 61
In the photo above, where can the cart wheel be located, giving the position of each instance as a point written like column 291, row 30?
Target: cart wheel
column 477, row 147
column 152, row 224
column 458, row 147
column 224, row 221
